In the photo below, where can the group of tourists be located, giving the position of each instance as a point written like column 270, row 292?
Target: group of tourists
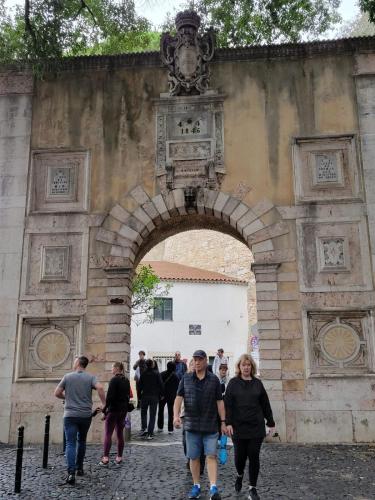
column 201, row 399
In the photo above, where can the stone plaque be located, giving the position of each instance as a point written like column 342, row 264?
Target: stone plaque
column 192, row 150
column 47, row 347
column 339, row 342
column 59, row 182
column 55, row 263
column 333, row 252
column 326, row 168
column 190, row 130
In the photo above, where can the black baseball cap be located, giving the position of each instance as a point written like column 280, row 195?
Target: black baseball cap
column 199, row 354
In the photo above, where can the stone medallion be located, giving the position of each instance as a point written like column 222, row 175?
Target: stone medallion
column 340, row 343
column 52, row 348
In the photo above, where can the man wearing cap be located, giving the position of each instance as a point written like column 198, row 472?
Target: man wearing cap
column 203, row 402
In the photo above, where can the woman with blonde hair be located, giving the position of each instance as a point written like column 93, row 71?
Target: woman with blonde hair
column 247, row 408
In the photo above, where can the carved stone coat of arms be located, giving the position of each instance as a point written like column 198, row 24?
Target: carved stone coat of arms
column 187, row 55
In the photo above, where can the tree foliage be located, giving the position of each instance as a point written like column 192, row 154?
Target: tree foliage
column 55, row 28
column 247, row 22
column 147, row 290
column 45, row 29
column 368, row 6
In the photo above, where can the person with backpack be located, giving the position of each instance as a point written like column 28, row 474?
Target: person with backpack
column 170, row 382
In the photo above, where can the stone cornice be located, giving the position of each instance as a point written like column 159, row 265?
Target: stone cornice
column 152, row 59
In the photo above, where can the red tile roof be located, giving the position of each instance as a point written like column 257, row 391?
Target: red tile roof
column 179, row 272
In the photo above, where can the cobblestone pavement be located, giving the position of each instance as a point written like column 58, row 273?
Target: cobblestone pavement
column 157, row 470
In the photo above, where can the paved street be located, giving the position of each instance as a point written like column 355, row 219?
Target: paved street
column 157, row 470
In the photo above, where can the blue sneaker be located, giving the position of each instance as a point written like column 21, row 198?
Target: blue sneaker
column 214, row 493
column 195, row 492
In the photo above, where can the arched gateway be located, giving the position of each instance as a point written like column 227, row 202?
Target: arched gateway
column 279, row 153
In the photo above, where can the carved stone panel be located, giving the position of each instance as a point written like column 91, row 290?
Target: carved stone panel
column 190, row 145
column 340, row 342
column 54, row 265
column 59, row 182
column 333, row 255
column 326, row 169
column 47, row 347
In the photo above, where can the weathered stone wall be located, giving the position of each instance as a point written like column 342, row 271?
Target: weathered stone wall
column 296, row 148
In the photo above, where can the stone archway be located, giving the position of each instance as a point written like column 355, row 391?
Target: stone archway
column 127, row 236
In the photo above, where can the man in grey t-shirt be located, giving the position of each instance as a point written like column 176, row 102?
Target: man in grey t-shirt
column 76, row 390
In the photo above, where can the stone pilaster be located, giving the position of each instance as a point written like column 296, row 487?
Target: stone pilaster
column 108, row 323
column 365, row 88
column 15, row 131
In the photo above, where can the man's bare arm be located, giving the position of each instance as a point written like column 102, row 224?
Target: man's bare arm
column 101, row 392
column 177, row 411
column 60, row 392
column 221, row 410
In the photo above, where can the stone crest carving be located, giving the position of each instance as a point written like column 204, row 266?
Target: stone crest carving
column 187, row 55
column 339, row 342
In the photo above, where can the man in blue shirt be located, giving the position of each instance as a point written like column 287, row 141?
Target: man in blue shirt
column 203, row 402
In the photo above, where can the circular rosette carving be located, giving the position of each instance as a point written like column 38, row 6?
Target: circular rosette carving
column 52, row 348
column 339, row 343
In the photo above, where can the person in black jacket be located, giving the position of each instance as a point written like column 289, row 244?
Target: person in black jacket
column 151, row 390
column 247, row 407
column 139, row 367
column 170, row 382
column 115, row 410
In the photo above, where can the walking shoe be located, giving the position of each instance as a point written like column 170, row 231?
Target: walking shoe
column 104, row 463
column 253, row 494
column 238, row 483
column 214, row 493
column 195, row 492
column 143, row 433
column 170, row 432
column 160, row 430
column 71, row 479
column 80, row 472
column 149, row 437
